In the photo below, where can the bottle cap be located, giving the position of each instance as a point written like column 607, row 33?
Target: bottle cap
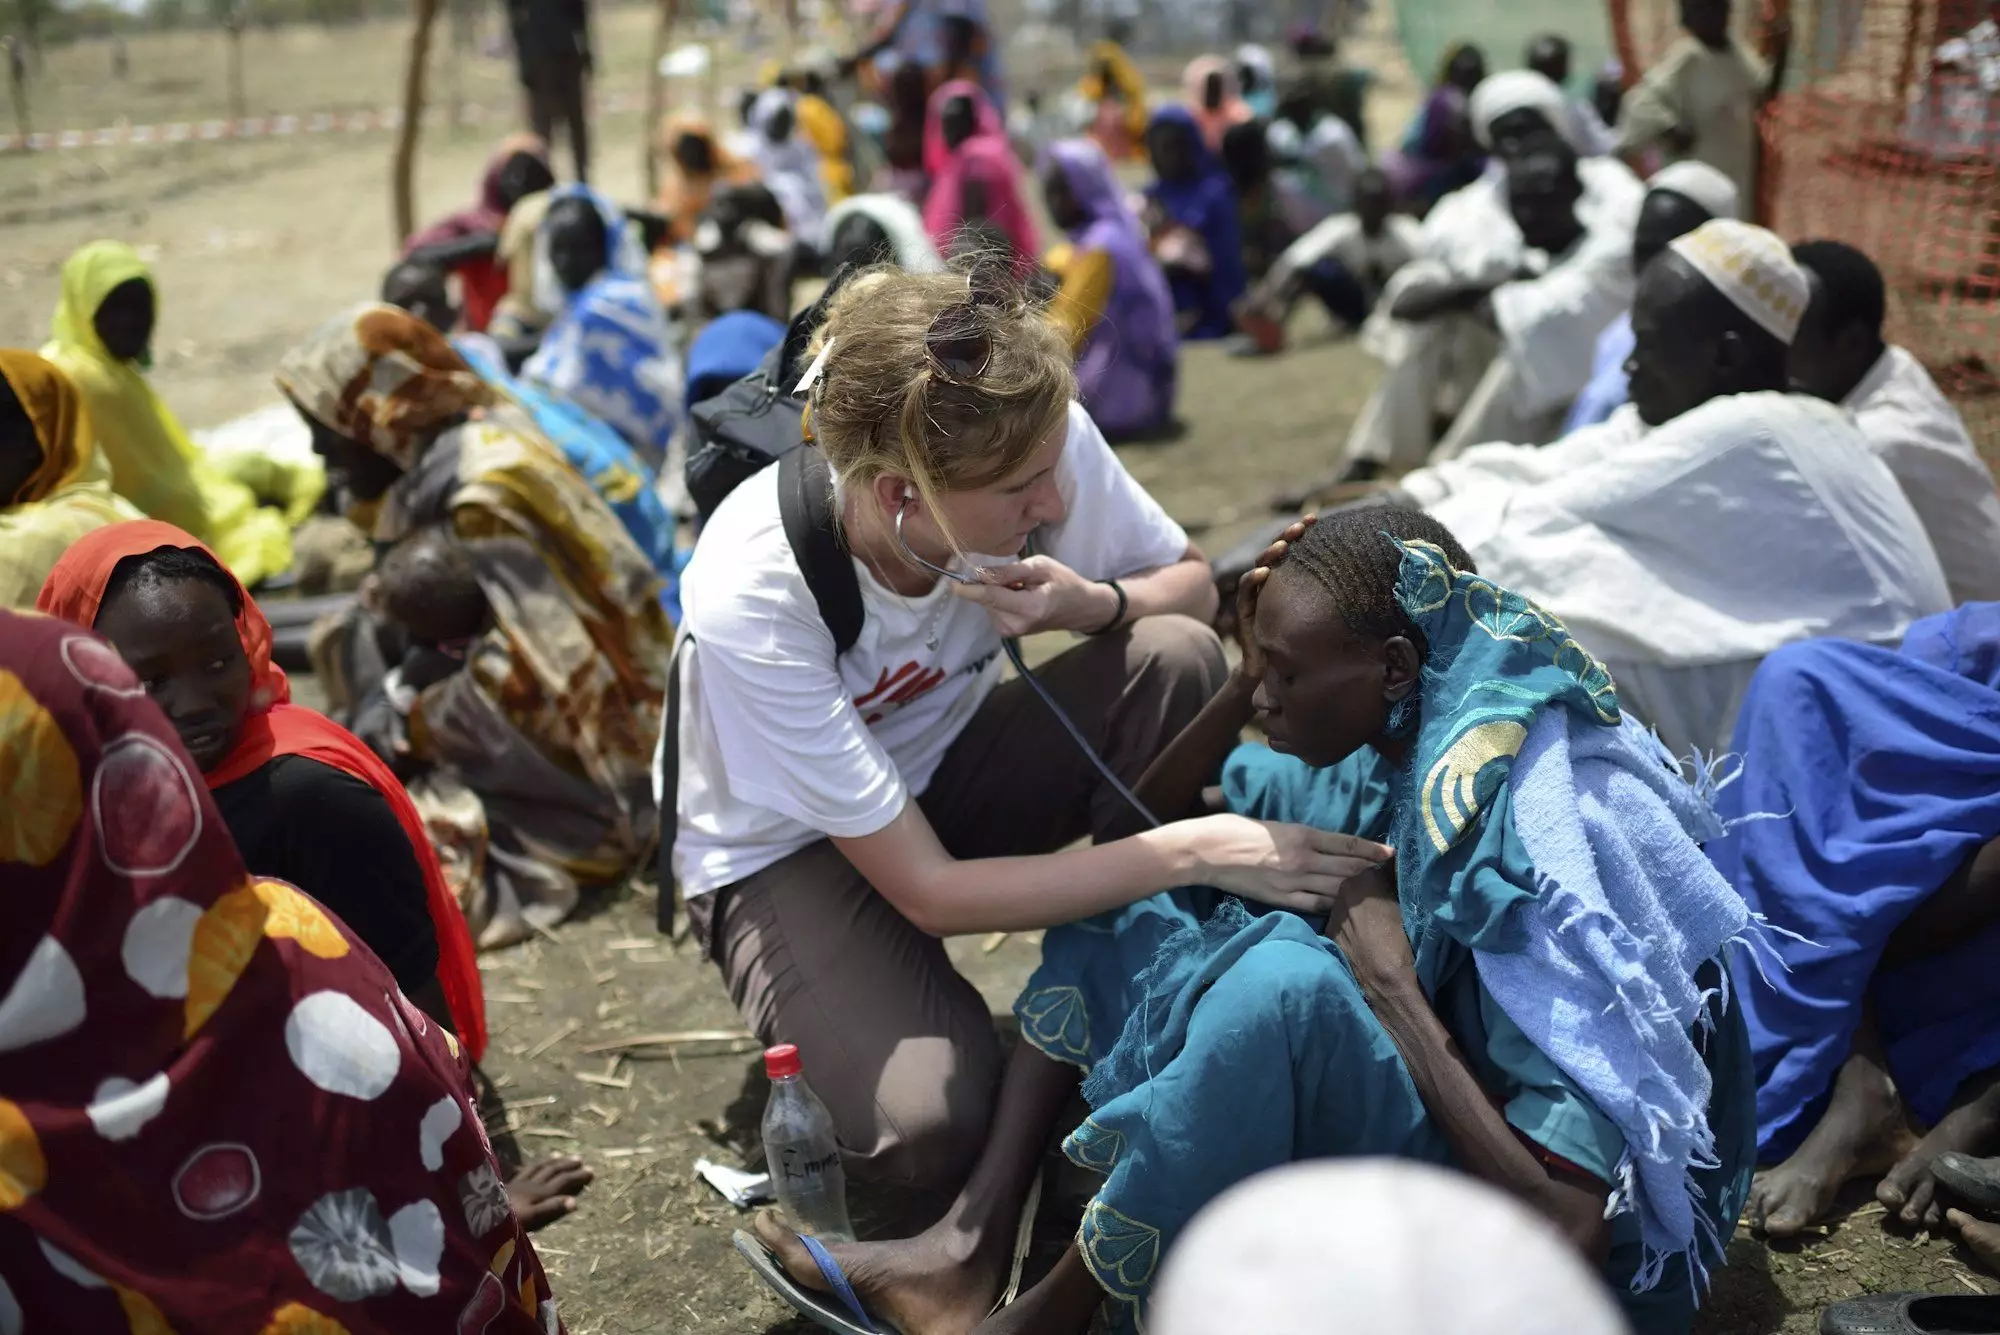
column 782, row 1061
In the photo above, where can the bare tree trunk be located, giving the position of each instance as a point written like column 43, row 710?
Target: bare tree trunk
column 238, row 103
column 656, row 95
column 17, row 90
column 403, row 180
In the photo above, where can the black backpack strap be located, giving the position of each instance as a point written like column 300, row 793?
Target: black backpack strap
column 670, row 788
column 805, row 503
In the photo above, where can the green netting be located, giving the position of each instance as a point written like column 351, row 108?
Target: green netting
column 1503, row 28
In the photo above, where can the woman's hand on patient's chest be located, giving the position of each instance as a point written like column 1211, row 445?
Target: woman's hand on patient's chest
column 1287, row 866
column 1041, row 593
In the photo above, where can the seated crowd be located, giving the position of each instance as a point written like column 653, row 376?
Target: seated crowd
column 1622, row 816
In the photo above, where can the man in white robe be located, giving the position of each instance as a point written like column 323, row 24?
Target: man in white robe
column 1440, row 337
column 1839, row 356
column 1713, row 518
column 1679, row 198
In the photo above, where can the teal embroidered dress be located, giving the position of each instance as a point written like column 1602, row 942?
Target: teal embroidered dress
column 1219, row 1044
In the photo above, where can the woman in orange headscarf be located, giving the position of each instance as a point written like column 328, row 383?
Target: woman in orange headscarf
column 308, row 801
column 54, row 485
column 696, row 163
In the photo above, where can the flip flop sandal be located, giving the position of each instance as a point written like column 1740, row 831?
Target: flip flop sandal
column 1913, row 1314
column 1974, row 1181
column 849, row 1317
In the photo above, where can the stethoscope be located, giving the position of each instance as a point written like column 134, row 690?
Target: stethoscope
column 1013, row 648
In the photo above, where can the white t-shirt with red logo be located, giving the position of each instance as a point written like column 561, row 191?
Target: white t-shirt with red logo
column 782, row 744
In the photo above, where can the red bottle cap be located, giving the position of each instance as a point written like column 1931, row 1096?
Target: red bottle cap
column 782, row 1061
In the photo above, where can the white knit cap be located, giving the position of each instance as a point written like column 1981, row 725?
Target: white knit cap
column 1751, row 267
column 1387, row 1246
column 1701, row 183
column 1518, row 90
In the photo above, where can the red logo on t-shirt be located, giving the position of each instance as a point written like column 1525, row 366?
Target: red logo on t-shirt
column 895, row 689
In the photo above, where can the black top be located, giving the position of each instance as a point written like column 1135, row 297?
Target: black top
column 338, row 840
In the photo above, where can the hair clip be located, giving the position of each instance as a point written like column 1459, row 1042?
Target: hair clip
column 816, row 370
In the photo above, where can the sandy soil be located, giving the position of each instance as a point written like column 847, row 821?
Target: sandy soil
column 257, row 242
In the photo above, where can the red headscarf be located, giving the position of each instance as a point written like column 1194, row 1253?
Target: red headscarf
column 218, row 1112
column 277, row 727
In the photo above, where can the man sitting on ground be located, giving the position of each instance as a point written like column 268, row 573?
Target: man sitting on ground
column 1678, row 199
column 1345, row 262
column 1713, row 518
column 1436, row 351
column 1839, row 356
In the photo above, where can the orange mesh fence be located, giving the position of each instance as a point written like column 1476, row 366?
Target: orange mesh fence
column 1893, row 145
column 1886, row 138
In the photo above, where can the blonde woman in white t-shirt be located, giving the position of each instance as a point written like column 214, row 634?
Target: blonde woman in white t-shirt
column 839, row 814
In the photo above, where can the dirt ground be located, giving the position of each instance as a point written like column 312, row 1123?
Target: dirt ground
column 256, row 242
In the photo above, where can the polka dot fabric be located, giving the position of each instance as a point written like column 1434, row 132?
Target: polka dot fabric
column 217, row 1113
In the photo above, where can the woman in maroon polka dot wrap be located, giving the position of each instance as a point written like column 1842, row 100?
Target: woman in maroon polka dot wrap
column 217, row 1111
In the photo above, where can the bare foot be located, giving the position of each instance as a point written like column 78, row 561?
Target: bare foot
column 1970, row 1128
column 1863, row 1131
column 1980, row 1238
column 932, row 1284
column 1062, row 1304
column 544, row 1192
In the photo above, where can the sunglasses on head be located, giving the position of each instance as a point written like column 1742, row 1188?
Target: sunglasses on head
column 960, row 341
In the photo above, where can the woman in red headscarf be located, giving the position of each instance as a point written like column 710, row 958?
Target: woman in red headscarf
column 219, row 1114
column 307, row 801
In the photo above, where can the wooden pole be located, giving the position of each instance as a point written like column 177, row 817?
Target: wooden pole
column 403, row 179
column 233, row 26
column 656, row 95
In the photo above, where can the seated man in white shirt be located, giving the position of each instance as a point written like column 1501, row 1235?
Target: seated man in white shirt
column 1550, row 309
column 1713, row 518
column 1345, row 262
column 1839, row 356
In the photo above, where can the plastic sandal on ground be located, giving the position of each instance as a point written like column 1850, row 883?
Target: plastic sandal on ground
column 1972, row 1180
column 1913, row 1314
column 849, row 1317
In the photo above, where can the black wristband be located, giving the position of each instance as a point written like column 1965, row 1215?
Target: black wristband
column 1118, row 617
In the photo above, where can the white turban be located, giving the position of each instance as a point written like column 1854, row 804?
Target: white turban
column 1519, row 90
column 1703, row 184
column 1387, row 1246
column 1751, row 267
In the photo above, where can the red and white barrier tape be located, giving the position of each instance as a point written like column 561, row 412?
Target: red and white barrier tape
column 273, row 127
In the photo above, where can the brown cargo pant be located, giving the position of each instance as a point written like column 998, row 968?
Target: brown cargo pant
column 897, row 1044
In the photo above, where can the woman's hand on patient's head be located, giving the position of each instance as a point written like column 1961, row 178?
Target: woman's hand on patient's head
column 1248, row 590
column 1292, row 867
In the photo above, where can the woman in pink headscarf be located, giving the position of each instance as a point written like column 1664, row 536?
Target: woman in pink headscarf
column 975, row 178
column 1215, row 98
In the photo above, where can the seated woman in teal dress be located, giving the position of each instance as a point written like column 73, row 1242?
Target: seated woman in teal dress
column 1532, row 988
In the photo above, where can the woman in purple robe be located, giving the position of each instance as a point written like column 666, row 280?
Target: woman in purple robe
column 1114, row 299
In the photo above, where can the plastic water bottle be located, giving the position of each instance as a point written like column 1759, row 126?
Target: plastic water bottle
column 800, row 1149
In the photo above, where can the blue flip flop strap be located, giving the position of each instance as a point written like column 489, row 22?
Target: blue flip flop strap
column 836, row 1279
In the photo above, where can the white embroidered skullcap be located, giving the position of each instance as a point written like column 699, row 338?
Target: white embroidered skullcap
column 1518, row 90
column 1701, row 183
column 1751, row 267
column 1392, row 1247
